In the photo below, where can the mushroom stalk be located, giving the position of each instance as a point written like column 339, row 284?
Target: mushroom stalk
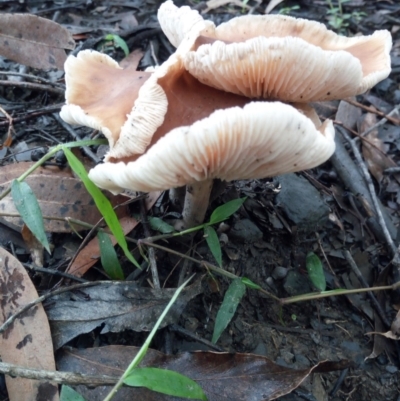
column 196, row 202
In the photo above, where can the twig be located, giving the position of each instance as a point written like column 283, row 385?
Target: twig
column 33, row 77
column 33, row 114
column 356, row 271
column 372, row 110
column 57, row 377
column 381, row 122
column 88, row 152
column 152, row 255
column 204, row 264
column 372, row 192
column 54, row 272
column 32, row 85
column 194, row 336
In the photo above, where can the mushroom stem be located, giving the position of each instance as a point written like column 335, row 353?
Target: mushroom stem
column 196, row 202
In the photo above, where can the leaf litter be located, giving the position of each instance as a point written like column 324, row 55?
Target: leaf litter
column 255, row 261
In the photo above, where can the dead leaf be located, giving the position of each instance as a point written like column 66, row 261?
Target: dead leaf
column 34, row 246
column 222, row 376
column 90, row 254
column 374, row 151
column 59, row 194
column 27, row 342
column 34, row 41
column 271, row 5
column 118, row 306
column 348, row 114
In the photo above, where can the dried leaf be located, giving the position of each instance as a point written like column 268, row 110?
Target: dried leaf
column 374, row 151
column 34, row 41
column 116, row 307
column 222, row 376
column 34, row 246
column 89, row 255
column 59, row 195
column 27, row 342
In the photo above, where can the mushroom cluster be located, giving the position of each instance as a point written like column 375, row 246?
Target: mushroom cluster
column 214, row 108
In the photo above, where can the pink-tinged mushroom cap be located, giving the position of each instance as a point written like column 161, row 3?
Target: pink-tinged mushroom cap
column 259, row 140
column 102, row 95
column 280, row 57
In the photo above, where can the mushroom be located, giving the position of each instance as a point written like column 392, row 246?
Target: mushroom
column 133, row 108
column 261, row 139
column 162, row 112
column 275, row 56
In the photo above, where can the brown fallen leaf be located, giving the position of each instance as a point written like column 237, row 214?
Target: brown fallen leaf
column 90, row 254
column 394, row 332
column 34, row 245
column 116, row 307
column 374, row 151
column 222, row 376
column 59, row 194
column 34, row 41
column 27, row 342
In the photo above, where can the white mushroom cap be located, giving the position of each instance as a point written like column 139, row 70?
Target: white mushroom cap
column 102, row 95
column 277, row 57
column 259, row 140
column 182, row 23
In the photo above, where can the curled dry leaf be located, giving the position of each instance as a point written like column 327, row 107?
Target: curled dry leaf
column 222, row 376
column 373, row 149
column 34, row 41
column 27, row 342
column 59, row 194
column 116, row 307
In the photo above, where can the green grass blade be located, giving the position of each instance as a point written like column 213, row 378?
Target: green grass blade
column 109, row 259
column 213, row 244
column 225, row 211
column 102, row 203
column 315, row 271
column 118, row 42
column 248, row 283
column 166, row 382
column 28, row 207
column 228, row 308
column 69, row 394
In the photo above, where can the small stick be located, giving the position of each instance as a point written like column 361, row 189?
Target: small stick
column 356, row 271
column 152, row 255
column 372, row 110
column 32, row 85
column 57, row 377
column 371, row 188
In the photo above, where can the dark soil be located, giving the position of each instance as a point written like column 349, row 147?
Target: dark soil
column 269, row 238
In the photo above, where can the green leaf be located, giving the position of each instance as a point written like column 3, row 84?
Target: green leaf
column 102, row 203
column 248, row 283
column 69, row 394
column 118, row 42
column 213, row 243
column 160, row 225
column 315, row 271
column 28, row 207
column 109, row 259
column 228, row 308
column 222, row 212
column 166, row 382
